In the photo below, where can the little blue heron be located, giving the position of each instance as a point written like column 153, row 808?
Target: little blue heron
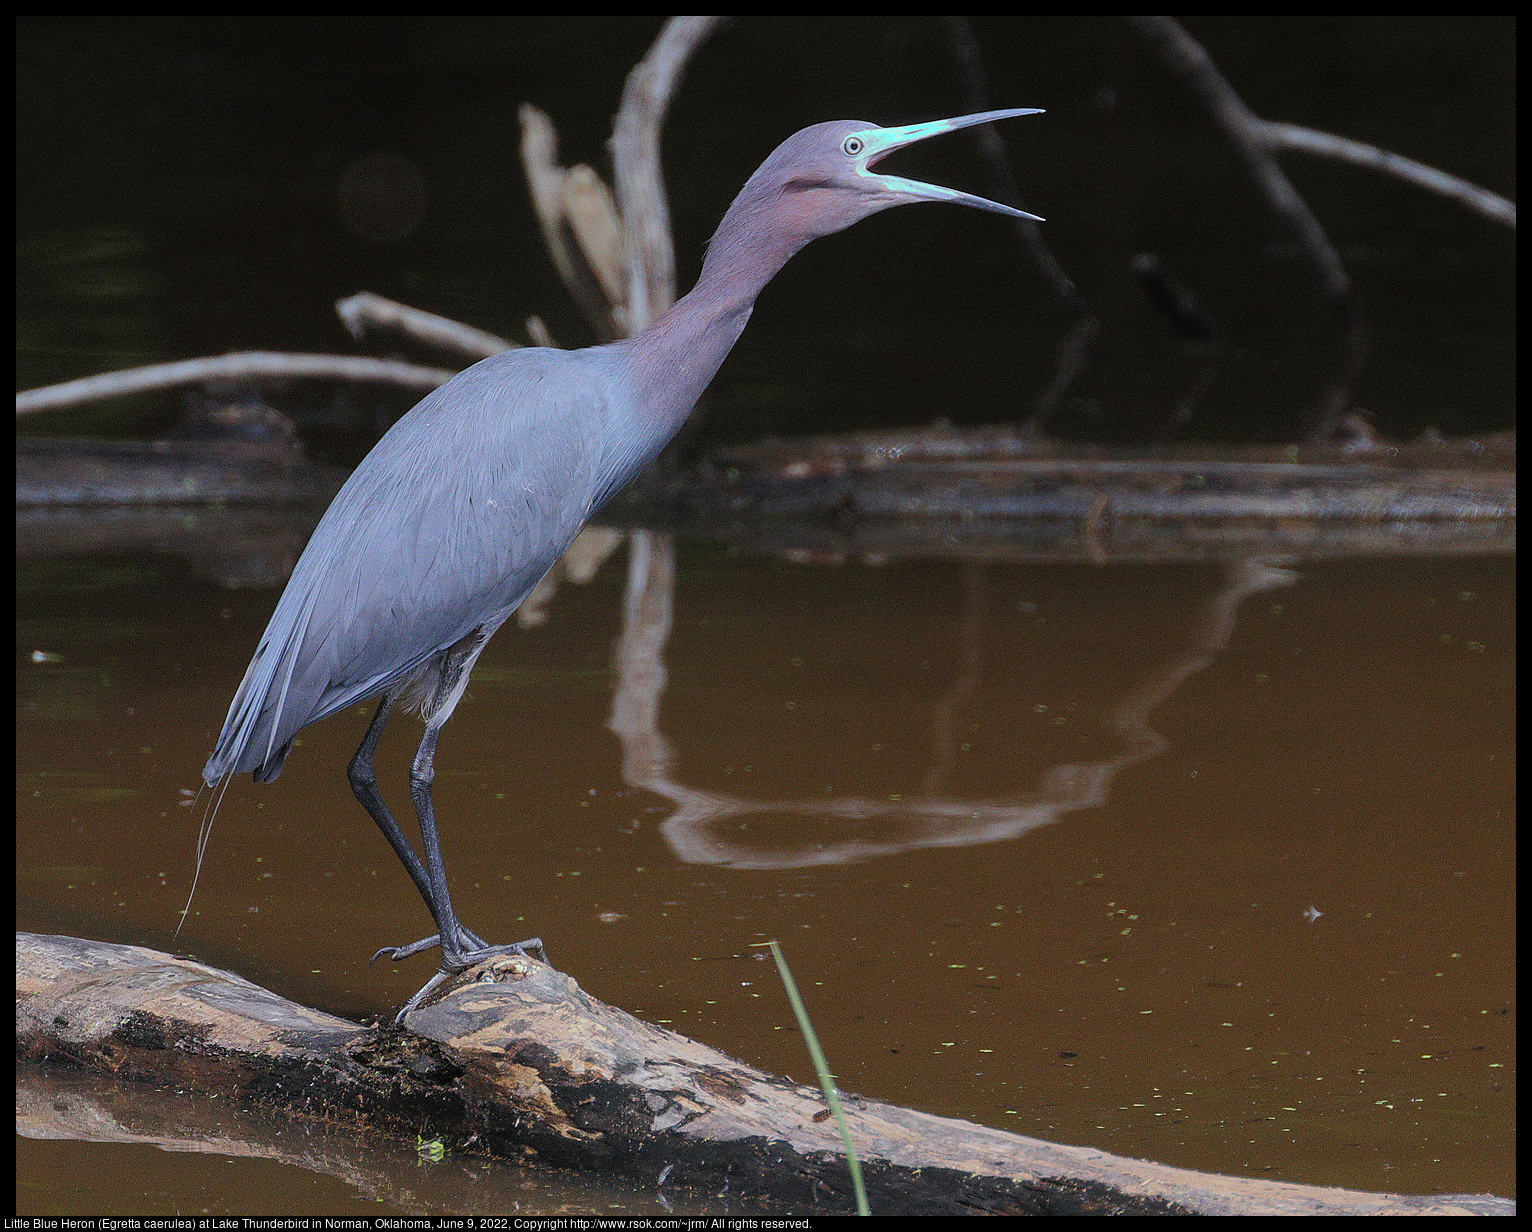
column 471, row 497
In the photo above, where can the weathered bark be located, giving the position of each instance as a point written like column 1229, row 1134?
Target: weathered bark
column 1000, row 493
column 999, row 472
column 71, row 472
column 517, row 1060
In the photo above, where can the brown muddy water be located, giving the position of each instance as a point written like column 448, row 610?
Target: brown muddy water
column 1206, row 864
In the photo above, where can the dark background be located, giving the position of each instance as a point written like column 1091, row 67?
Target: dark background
column 179, row 180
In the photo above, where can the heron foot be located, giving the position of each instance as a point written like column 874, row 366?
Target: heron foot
column 456, row 964
column 466, row 941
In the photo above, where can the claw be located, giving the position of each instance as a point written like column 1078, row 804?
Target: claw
column 400, row 952
column 453, row 965
column 467, row 942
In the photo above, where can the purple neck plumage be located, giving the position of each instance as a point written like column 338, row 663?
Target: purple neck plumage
column 673, row 360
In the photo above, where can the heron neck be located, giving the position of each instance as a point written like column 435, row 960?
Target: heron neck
column 675, row 358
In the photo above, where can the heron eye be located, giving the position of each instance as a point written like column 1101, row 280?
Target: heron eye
column 852, row 146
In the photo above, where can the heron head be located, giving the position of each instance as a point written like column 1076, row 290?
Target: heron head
column 821, row 179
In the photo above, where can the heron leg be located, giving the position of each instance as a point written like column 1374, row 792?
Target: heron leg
column 446, row 677
column 460, row 948
column 422, row 775
column 364, row 786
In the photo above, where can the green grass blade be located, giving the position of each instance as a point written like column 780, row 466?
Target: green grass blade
column 826, row 1079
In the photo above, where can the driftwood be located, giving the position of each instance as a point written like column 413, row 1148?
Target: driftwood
column 516, row 1060
column 1001, row 493
column 365, row 313
column 239, row 366
column 1030, row 475
column 68, row 472
column 945, row 494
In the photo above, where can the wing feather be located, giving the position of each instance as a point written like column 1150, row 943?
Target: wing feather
column 444, row 528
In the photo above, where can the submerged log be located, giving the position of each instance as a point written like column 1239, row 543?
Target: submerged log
column 66, row 472
column 518, row 1061
column 998, row 492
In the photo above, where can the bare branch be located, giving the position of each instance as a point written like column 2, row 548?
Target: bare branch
column 539, row 332
column 364, row 311
column 636, row 166
column 243, row 364
column 1189, row 60
column 579, row 224
column 976, row 97
column 1312, row 141
column 592, row 216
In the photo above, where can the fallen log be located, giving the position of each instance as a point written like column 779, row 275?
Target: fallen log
column 999, row 493
column 518, row 1061
column 87, row 473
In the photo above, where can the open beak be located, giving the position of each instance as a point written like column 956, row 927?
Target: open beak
column 879, row 142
